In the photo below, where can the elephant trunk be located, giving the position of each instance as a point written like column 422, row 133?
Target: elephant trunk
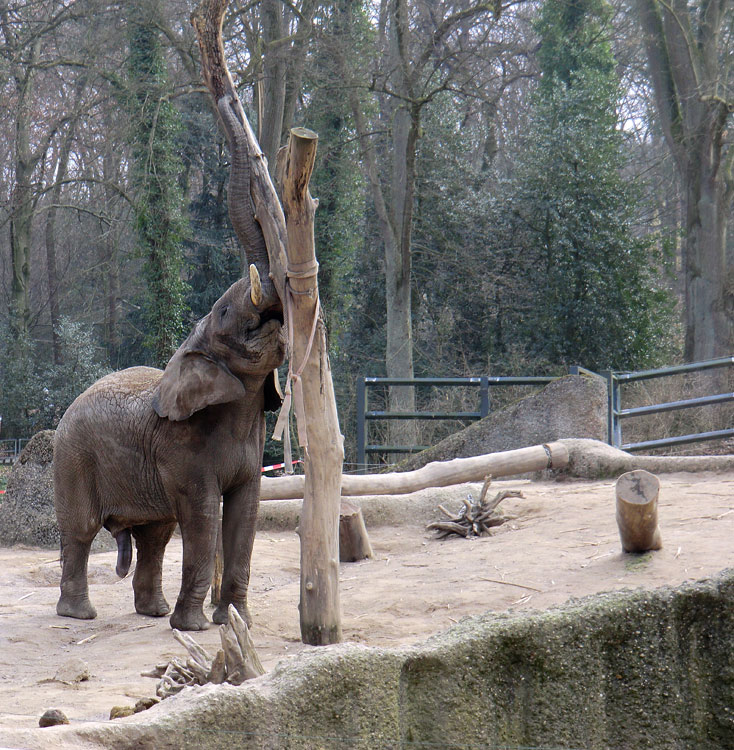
column 124, row 552
column 241, row 208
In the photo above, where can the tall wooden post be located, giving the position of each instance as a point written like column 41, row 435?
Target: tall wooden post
column 320, row 610
column 319, row 435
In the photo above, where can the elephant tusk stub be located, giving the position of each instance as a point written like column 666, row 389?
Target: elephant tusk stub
column 256, row 287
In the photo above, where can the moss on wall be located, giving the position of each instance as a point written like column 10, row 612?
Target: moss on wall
column 626, row 670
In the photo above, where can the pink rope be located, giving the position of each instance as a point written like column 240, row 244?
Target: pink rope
column 294, row 384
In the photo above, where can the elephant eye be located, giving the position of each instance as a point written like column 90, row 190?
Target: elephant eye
column 223, row 311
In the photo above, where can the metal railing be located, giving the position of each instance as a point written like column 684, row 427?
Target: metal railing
column 616, row 379
column 11, row 448
column 482, row 382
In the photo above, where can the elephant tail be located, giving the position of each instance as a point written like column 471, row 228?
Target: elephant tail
column 124, row 552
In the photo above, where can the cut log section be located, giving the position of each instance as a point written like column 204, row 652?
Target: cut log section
column 637, row 511
column 354, row 543
column 437, row 474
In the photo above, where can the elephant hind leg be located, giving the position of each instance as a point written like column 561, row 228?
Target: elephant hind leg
column 74, row 599
column 151, row 540
column 75, row 498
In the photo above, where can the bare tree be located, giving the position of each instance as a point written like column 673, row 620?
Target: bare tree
column 424, row 49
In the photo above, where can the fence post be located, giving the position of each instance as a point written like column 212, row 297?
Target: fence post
column 484, row 396
column 614, row 426
column 617, row 401
column 361, row 427
column 607, row 375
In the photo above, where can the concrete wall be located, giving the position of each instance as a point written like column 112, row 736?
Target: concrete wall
column 623, row 670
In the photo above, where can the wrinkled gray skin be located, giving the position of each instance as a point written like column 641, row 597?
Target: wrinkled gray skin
column 142, row 449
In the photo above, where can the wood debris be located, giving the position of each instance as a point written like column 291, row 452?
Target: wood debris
column 234, row 663
column 475, row 518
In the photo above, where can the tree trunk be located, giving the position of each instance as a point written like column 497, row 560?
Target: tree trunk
column 22, row 201
column 320, row 437
column 436, row 474
column 354, row 543
column 274, row 80
column 637, row 511
column 398, row 257
column 52, row 273
column 687, row 66
column 708, row 319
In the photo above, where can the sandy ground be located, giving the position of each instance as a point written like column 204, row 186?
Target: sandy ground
column 562, row 543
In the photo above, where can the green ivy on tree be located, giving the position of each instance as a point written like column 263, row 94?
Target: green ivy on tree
column 155, row 170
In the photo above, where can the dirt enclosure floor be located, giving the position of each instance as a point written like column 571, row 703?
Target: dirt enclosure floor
column 561, row 543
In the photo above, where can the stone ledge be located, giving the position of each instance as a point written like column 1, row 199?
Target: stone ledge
column 631, row 669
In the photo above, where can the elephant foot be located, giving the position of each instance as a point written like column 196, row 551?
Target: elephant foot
column 187, row 619
column 153, row 606
column 221, row 614
column 81, row 609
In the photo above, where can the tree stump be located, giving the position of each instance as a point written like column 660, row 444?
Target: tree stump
column 354, row 543
column 637, row 511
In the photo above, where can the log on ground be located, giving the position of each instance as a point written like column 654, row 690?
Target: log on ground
column 438, row 474
column 637, row 511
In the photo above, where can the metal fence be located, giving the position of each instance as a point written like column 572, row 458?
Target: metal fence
column 615, row 381
column 364, row 415
column 11, row 448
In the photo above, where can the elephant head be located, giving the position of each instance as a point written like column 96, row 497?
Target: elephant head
column 242, row 335
column 234, row 348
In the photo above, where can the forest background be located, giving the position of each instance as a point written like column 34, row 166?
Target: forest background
column 505, row 188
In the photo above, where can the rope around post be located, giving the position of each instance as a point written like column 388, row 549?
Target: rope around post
column 294, row 386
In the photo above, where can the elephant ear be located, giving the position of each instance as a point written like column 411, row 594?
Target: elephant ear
column 192, row 381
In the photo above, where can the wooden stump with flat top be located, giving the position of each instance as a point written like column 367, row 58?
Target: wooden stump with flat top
column 354, row 544
column 637, row 511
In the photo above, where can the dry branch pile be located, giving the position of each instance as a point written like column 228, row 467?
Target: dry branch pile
column 235, row 662
column 475, row 518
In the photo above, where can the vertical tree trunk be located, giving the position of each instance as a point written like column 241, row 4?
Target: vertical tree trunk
column 22, row 201
column 398, row 265
column 21, row 207
column 324, row 444
column 708, row 321
column 51, row 265
column 274, row 83
column 687, row 66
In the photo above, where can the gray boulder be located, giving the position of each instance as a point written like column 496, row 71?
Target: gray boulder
column 574, row 406
column 27, row 513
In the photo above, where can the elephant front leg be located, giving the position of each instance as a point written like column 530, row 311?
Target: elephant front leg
column 239, row 521
column 74, row 599
column 199, row 533
column 151, row 540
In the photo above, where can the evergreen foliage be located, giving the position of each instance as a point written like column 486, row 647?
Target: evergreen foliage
column 592, row 295
column 212, row 256
column 156, row 168
column 34, row 393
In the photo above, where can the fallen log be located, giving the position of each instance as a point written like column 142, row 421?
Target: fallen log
column 637, row 511
column 437, row 474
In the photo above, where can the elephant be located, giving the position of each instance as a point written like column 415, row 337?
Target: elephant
column 143, row 449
